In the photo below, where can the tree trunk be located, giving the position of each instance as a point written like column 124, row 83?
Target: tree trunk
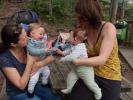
column 114, row 6
column 50, row 8
column 121, row 9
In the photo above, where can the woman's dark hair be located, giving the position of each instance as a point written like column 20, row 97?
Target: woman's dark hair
column 9, row 34
column 89, row 13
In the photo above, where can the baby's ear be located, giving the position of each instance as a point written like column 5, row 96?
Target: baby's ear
column 85, row 38
column 31, row 33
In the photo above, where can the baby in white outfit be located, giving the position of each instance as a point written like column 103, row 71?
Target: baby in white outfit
column 86, row 73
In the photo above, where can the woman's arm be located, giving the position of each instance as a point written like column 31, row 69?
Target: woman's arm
column 13, row 75
column 109, row 36
column 42, row 63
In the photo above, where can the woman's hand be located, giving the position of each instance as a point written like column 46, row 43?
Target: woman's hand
column 36, row 66
column 39, row 64
column 31, row 59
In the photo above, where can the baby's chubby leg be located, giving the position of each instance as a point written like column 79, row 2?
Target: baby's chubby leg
column 45, row 71
column 32, row 82
column 71, row 80
column 87, row 75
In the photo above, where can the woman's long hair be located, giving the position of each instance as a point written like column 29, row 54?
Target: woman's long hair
column 9, row 34
column 89, row 13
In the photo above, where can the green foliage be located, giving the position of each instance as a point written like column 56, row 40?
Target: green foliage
column 1, row 5
column 40, row 6
column 105, row 6
column 129, row 12
column 61, row 9
column 106, row 18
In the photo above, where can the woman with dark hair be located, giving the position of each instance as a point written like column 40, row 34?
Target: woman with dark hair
column 16, row 65
column 102, row 53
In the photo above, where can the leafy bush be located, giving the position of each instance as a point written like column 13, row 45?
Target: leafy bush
column 129, row 12
column 61, row 9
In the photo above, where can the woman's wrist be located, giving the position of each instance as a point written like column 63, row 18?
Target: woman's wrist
column 40, row 63
column 30, row 63
column 47, row 60
column 77, row 62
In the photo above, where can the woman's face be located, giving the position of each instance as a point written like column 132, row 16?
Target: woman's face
column 22, row 39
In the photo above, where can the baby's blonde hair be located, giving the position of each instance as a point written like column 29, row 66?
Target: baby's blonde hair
column 33, row 26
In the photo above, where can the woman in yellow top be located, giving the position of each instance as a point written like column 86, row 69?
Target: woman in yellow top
column 102, row 52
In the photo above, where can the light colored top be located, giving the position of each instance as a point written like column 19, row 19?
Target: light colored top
column 76, row 52
column 36, row 47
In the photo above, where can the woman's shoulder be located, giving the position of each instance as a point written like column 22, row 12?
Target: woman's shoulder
column 109, row 24
column 5, row 59
column 109, row 28
column 4, row 54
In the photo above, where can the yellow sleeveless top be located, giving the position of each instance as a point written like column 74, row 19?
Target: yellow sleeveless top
column 111, row 70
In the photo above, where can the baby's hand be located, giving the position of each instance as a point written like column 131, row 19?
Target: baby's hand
column 46, row 49
column 58, row 51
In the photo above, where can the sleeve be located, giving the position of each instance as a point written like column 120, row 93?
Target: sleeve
column 35, row 51
column 75, row 54
column 5, row 62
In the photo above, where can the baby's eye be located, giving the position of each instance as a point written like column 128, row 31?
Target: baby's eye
column 41, row 33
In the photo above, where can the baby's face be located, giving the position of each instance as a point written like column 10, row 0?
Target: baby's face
column 77, row 39
column 38, row 33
